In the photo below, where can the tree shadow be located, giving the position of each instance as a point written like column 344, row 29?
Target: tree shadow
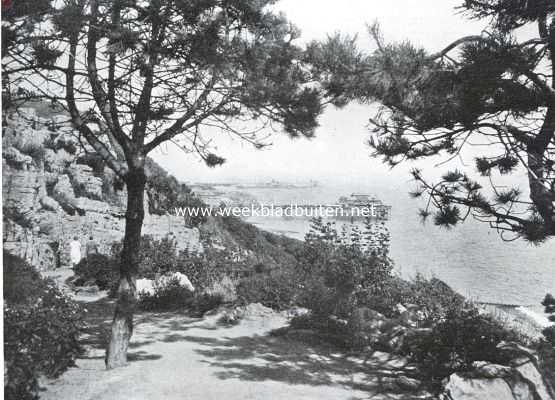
column 96, row 333
column 282, row 359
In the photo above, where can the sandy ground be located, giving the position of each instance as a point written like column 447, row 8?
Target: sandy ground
column 174, row 356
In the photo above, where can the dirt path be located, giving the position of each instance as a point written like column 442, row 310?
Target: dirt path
column 178, row 357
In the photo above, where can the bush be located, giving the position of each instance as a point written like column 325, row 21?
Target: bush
column 278, row 290
column 168, row 295
column 342, row 271
column 225, row 287
column 330, row 329
column 433, row 297
column 205, row 302
column 546, row 348
column 21, row 280
column 100, row 269
column 464, row 336
column 41, row 330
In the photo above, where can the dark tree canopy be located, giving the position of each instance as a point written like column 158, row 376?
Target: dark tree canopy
column 492, row 90
column 145, row 72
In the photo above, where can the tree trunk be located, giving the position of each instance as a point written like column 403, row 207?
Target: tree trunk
column 541, row 193
column 122, row 325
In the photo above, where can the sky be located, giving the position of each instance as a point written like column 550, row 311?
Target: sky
column 338, row 152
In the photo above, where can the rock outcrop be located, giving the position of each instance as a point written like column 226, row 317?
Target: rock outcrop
column 519, row 380
column 51, row 195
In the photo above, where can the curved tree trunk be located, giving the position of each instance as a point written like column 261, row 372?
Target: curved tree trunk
column 122, row 325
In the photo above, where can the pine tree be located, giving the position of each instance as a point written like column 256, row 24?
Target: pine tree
column 133, row 75
column 490, row 89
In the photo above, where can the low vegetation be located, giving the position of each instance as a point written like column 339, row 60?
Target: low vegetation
column 346, row 282
column 41, row 330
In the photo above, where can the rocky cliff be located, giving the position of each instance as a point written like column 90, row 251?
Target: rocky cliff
column 54, row 188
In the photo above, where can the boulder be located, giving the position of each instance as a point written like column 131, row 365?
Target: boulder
column 256, row 310
column 145, row 286
column 367, row 319
column 407, row 383
column 531, row 375
column 181, row 278
column 89, row 290
column 492, row 381
column 48, row 203
column 461, row 388
column 488, row 370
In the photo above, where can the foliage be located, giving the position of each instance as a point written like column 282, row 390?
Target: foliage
column 168, row 295
column 165, row 193
column 98, row 268
column 433, row 297
column 225, row 287
column 41, row 330
column 491, row 89
column 278, row 289
column 341, row 270
column 549, row 304
column 454, row 343
column 546, row 348
column 21, row 280
column 270, row 249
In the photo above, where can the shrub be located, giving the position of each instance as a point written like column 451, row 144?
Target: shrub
column 168, row 295
column 100, row 269
column 546, row 348
column 41, row 330
column 21, row 280
column 343, row 270
column 200, row 269
column 225, row 287
column 205, row 302
column 330, row 329
column 464, row 336
column 433, row 297
column 278, row 290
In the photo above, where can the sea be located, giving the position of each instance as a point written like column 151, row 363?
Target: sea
column 472, row 257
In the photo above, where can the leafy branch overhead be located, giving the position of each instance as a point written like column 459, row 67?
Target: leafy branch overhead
column 159, row 71
column 493, row 92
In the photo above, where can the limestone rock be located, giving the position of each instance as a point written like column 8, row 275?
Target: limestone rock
column 48, row 203
column 533, row 377
column 460, row 388
column 21, row 191
column 407, row 383
column 17, row 159
column 368, row 319
column 64, row 195
column 489, row 370
column 521, row 381
column 42, row 212
column 83, row 178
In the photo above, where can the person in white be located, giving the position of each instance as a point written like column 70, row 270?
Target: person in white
column 75, row 251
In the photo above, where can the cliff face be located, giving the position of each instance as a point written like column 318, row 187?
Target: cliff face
column 54, row 189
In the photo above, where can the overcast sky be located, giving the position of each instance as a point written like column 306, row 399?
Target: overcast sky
column 338, row 153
